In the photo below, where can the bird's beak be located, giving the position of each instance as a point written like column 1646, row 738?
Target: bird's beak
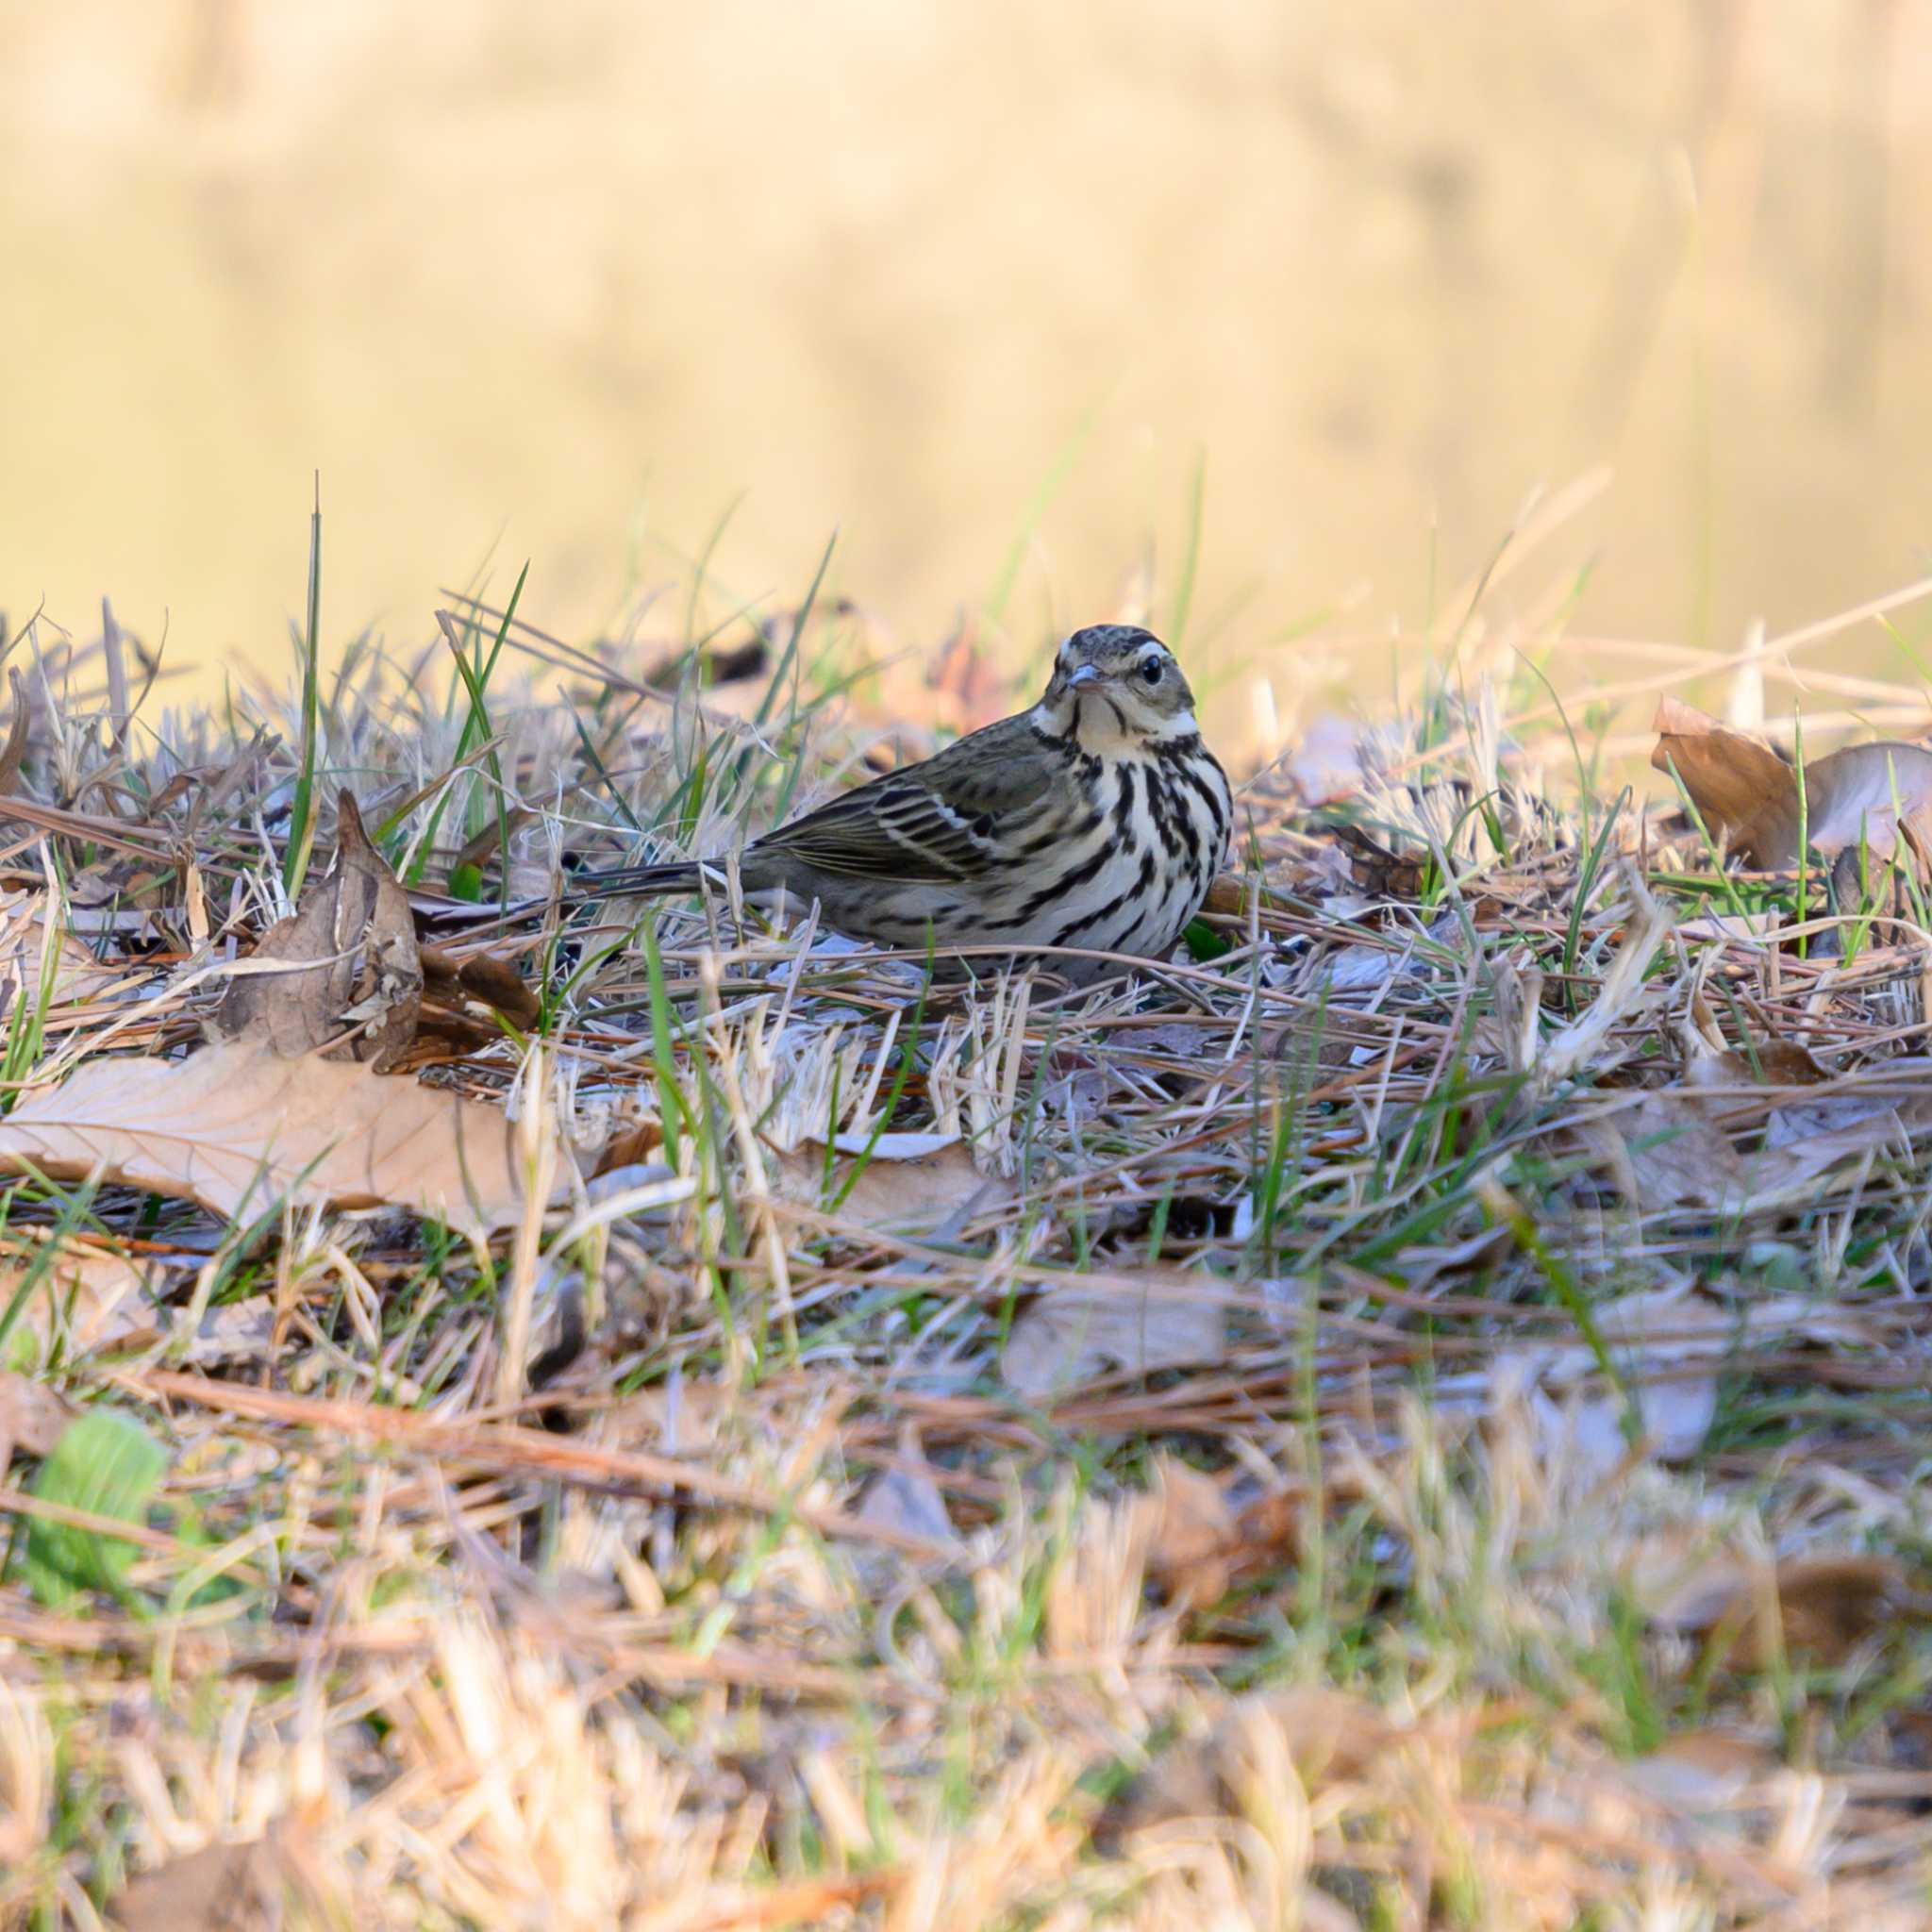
column 1086, row 673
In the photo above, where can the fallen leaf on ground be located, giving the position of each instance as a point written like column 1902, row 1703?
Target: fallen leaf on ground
column 351, row 960
column 1745, row 792
column 87, row 1294
column 909, row 1182
column 1894, row 1092
column 23, row 942
column 1136, row 1325
column 1200, row 1542
column 32, row 1416
column 1764, row 1063
column 1702, row 1771
column 1328, row 1736
column 905, row 1497
column 1327, row 765
column 461, row 997
column 1578, row 1427
column 237, row 1128
column 1189, row 1552
column 1821, row 1607
column 1663, row 1153
column 250, row 1886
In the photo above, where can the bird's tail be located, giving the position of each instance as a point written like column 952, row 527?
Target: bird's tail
column 642, row 880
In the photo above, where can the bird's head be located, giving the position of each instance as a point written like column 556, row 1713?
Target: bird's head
column 1115, row 684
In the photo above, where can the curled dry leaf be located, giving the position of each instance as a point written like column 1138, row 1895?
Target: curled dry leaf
column 1134, row 1323
column 351, row 964
column 14, row 755
column 1326, row 766
column 914, row 1183
column 237, row 1128
column 1749, row 796
column 480, row 980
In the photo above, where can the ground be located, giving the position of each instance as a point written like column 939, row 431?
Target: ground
column 1410, row 1415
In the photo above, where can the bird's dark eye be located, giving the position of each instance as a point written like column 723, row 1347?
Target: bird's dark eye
column 1150, row 671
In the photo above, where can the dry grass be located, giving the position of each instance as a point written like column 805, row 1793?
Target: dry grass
column 1482, row 1487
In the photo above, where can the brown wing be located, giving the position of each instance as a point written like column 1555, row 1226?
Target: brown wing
column 941, row 820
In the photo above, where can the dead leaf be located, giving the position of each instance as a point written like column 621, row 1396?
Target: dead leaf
column 352, row 943
column 1135, row 1324
column 909, row 1182
column 90, row 1294
column 1741, row 788
column 492, row 982
column 270, row 1884
column 1746, row 793
column 1663, row 1153
column 32, row 1416
column 905, row 1497
column 1199, row 1542
column 967, row 686
column 1327, row 765
column 1380, row 872
column 1763, row 1064
column 23, row 940
column 15, row 753
column 1821, row 1607
column 119, row 881
column 1189, row 1552
column 1330, row 1737
column 237, row 1128
column 1702, row 1771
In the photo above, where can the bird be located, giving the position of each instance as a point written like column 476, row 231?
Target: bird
column 1094, row 821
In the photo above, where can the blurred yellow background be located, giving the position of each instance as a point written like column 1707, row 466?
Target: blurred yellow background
column 563, row 282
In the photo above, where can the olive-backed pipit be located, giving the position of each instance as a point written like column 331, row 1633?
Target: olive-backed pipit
column 1093, row 821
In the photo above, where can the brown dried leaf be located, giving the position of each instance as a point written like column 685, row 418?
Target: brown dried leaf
column 911, row 1182
column 118, row 881
column 222, row 1888
column 1823, row 1606
column 15, row 752
column 1189, row 1553
column 967, row 687
column 1741, row 788
column 1744, row 791
column 1326, row 766
column 1330, row 1737
column 24, row 938
column 1702, row 1771
column 32, row 1416
column 237, row 1127
column 91, row 1295
column 1153, row 1320
column 1199, row 1543
column 1869, row 792
column 496, row 983
column 1768, row 1063
column 353, row 942
column 1662, row 1153
column 905, row 1497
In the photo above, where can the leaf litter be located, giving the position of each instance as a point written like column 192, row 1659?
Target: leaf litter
column 1416, row 1410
